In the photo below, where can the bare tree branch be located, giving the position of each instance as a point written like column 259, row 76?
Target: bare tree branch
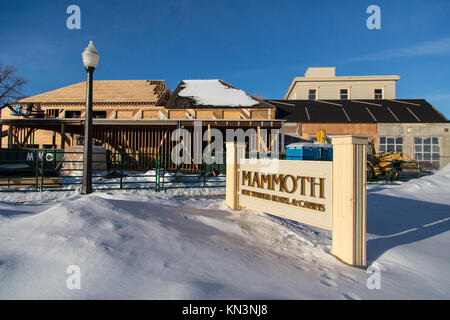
column 10, row 84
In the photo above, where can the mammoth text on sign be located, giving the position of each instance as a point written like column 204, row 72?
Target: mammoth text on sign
column 298, row 190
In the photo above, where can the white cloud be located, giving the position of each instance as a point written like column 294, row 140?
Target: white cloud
column 435, row 47
column 439, row 97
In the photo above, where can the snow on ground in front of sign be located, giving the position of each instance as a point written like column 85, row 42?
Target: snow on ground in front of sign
column 146, row 245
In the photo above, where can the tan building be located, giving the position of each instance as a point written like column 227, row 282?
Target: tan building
column 323, row 84
column 364, row 105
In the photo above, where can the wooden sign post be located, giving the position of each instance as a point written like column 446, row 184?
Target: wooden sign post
column 235, row 152
column 349, row 199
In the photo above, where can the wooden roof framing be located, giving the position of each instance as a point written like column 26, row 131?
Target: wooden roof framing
column 106, row 92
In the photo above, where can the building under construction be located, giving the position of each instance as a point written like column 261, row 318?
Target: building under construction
column 136, row 117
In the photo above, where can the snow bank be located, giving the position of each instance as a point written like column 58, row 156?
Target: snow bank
column 145, row 245
column 46, row 196
column 215, row 93
column 426, row 188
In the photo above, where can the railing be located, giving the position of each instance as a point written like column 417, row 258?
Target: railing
column 57, row 170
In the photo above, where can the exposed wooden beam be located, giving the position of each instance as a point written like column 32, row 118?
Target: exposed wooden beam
column 307, row 113
column 335, row 104
column 373, row 117
column 369, row 103
column 389, row 109
column 414, row 115
column 285, row 103
column 345, row 112
column 404, row 102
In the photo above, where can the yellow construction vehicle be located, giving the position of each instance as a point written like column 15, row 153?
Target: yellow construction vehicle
column 321, row 136
column 389, row 164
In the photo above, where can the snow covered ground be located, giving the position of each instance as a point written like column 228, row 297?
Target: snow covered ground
column 146, row 245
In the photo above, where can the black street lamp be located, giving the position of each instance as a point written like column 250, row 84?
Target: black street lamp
column 90, row 61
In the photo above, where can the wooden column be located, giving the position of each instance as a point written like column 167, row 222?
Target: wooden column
column 54, row 139
column 10, row 133
column 63, row 136
column 235, row 152
column 258, row 139
column 349, row 200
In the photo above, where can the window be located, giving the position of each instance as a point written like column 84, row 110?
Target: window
column 73, row 114
column 427, row 150
column 52, row 113
column 378, row 94
column 99, row 114
column 344, row 94
column 312, row 94
column 390, row 144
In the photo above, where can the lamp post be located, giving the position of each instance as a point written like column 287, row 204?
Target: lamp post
column 90, row 61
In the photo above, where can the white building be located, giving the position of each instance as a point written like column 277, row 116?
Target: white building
column 322, row 83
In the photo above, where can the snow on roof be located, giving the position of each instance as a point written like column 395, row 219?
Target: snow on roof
column 216, row 93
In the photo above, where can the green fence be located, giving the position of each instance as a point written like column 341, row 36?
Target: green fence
column 57, row 170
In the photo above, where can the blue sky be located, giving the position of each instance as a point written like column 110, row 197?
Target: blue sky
column 258, row 46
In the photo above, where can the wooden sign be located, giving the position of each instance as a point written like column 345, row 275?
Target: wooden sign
column 296, row 190
column 329, row 195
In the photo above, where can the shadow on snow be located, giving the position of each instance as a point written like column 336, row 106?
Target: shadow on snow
column 398, row 221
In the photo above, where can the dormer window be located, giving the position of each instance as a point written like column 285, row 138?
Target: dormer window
column 378, row 93
column 344, row 94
